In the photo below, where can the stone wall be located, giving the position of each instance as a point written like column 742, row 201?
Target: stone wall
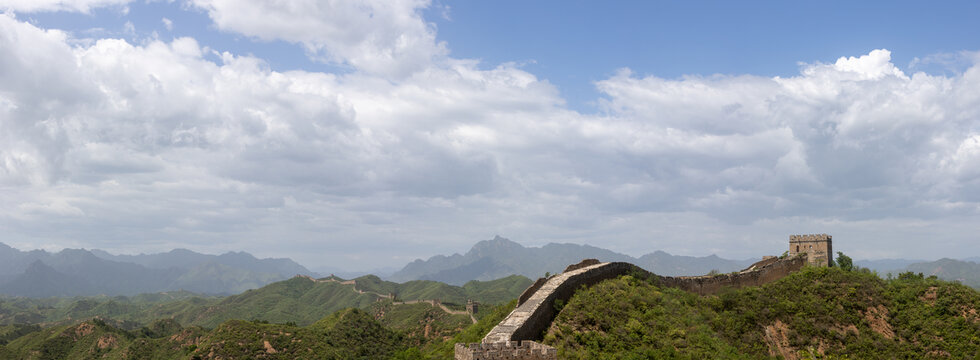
column 530, row 319
column 536, row 310
column 531, row 290
column 768, row 272
column 509, row 350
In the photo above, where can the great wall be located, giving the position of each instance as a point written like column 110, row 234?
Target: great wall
column 471, row 306
column 515, row 337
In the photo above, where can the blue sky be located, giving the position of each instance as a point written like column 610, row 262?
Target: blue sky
column 573, row 44
column 366, row 133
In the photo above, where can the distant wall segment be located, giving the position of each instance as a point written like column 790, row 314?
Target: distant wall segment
column 754, row 276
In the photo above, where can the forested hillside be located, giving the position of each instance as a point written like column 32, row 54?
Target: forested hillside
column 814, row 313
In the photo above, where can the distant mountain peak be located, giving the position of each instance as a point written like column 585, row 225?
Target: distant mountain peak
column 38, row 266
column 496, row 244
column 500, row 257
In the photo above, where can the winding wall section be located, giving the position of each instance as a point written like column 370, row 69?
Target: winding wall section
column 535, row 314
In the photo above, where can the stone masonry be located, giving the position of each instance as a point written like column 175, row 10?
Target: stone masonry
column 818, row 247
column 509, row 350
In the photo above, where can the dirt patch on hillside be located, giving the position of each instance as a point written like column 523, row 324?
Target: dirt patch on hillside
column 843, row 330
column 186, row 338
column 268, row 347
column 84, row 329
column 107, row 341
column 938, row 353
column 930, row 296
column 777, row 337
column 877, row 318
column 970, row 314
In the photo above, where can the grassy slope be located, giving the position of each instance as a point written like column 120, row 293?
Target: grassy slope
column 421, row 322
column 496, row 291
column 491, row 292
column 297, row 300
column 815, row 312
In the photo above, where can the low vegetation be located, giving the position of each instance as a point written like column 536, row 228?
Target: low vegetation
column 348, row 334
column 814, row 313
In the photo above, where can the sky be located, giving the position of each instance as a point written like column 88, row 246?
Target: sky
column 363, row 134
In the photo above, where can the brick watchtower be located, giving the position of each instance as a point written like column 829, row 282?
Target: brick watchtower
column 472, row 307
column 818, row 247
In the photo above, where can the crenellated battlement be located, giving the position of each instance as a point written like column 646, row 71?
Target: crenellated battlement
column 809, row 237
column 509, row 350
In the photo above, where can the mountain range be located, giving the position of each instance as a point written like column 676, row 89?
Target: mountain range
column 80, row 272
column 74, row 272
column 499, row 257
column 964, row 272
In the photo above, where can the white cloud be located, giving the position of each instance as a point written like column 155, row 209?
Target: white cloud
column 386, row 37
column 873, row 66
column 167, row 23
column 115, row 141
column 859, row 138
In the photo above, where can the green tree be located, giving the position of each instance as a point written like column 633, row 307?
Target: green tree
column 844, row 262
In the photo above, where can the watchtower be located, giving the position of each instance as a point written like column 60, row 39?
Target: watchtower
column 818, row 248
column 472, row 307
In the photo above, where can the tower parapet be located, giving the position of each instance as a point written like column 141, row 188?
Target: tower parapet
column 817, row 247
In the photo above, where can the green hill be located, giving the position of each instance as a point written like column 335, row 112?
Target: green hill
column 348, row 334
column 139, row 309
column 815, row 313
column 300, row 300
column 421, row 322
